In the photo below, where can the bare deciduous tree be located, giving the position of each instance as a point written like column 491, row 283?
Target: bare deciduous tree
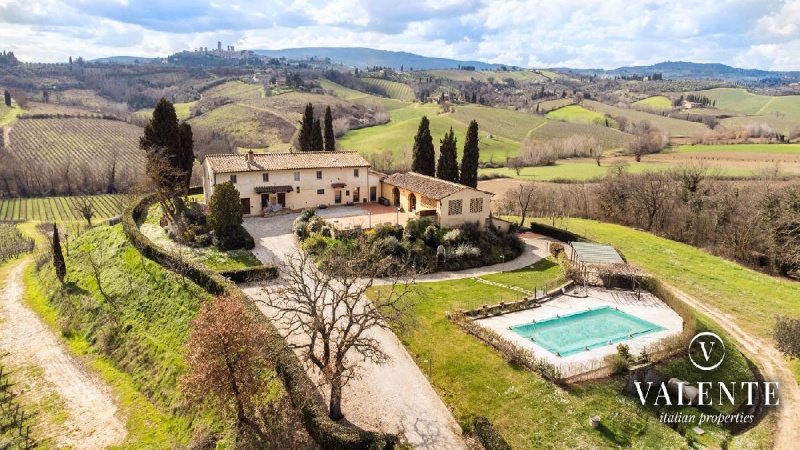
column 329, row 317
column 85, row 207
column 227, row 366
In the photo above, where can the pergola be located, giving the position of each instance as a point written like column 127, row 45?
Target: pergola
column 602, row 261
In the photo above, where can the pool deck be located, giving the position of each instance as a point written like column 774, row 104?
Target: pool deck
column 648, row 308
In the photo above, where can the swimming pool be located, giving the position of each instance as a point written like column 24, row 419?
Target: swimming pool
column 585, row 330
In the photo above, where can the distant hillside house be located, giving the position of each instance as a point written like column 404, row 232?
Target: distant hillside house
column 298, row 180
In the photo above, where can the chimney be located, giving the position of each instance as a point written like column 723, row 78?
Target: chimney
column 250, row 157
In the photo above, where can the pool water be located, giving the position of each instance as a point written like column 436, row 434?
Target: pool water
column 577, row 332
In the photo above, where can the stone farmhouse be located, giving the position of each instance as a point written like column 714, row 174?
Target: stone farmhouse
column 269, row 182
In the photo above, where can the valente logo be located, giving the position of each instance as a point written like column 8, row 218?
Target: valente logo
column 706, row 351
column 711, row 349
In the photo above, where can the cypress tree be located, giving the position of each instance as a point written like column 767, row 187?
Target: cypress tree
column 424, row 155
column 185, row 155
column 306, row 126
column 469, row 161
column 161, row 140
column 7, row 98
column 316, row 137
column 330, row 140
column 447, row 168
column 58, row 257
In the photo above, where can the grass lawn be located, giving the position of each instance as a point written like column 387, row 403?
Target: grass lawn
column 579, row 114
column 546, row 271
column 475, row 380
column 749, row 148
column 656, row 101
column 210, row 257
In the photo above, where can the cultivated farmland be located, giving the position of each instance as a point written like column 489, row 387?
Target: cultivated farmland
column 394, row 89
column 54, row 142
column 58, row 209
column 607, row 137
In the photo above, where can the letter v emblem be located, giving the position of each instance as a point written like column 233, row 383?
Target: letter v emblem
column 707, row 354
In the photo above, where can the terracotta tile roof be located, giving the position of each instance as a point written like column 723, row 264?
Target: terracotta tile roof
column 423, row 184
column 229, row 163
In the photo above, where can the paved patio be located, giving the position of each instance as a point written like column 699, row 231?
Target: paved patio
column 648, row 307
column 364, row 215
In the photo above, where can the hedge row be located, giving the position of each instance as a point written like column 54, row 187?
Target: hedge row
column 251, row 274
column 302, row 391
column 489, row 437
column 555, row 233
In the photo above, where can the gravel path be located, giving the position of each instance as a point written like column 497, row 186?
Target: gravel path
column 93, row 421
column 394, row 397
column 773, row 367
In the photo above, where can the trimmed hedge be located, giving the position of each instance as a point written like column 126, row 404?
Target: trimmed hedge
column 302, row 391
column 489, row 437
column 250, row 274
column 556, row 233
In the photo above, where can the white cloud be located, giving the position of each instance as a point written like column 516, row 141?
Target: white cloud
column 576, row 33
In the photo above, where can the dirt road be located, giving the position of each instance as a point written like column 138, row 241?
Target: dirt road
column 773, row 368
column 92, row 419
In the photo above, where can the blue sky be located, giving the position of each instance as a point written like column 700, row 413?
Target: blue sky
column 537, row 33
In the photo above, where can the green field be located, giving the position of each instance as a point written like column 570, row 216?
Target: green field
column 248, row 126
column 550, row 105
column 579, row 114
column 675, row 127
column 236, row 90
column 8, row 115
column 58, row 209
column 746, row 148
column 655, row 102
column 398, row 134
column 585, row 170
column 530, row 412
column 508, row 123
column 607, row 137
column 394, row 89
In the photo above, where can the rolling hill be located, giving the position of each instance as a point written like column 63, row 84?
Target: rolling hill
column 368, row 57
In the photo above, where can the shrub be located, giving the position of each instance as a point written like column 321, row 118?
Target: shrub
column 787, row 336
column 316, row 243
column 452, row 237
column 488, row 435
column 385, row 230
column 431, row 236
column 467, row 251
column 616, row 363
column 225, row 217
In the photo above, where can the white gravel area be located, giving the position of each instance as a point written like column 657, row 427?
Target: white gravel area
column 394, row 397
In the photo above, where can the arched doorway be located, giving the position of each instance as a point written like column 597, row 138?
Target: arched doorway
column 412, row 202
column 396, row 196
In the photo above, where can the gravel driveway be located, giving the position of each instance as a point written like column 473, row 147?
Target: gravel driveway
column 394, row 397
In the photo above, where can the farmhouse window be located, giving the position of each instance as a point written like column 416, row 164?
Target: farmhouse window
column 355, row 173
column 475, row 205
column 320, row 191
column 265, row 177
column 297, row 176
column 298, row 189
column 233, row 178
column 454, row 207
column 319, row 174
